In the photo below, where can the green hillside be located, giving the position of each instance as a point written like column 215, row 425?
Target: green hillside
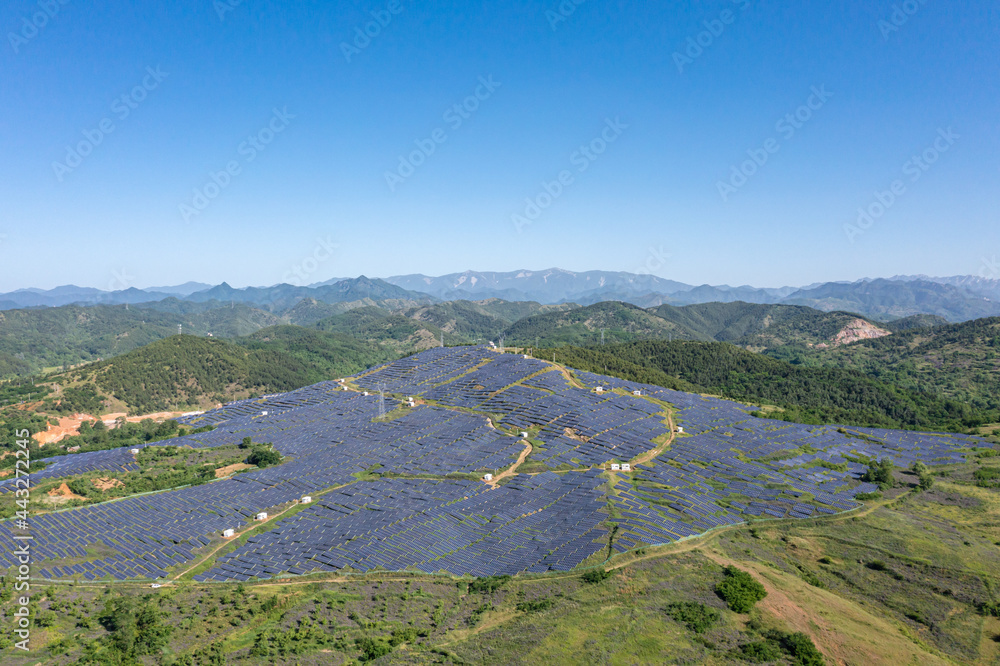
column 392, row 330
column 915, row 321
column 326, row 355
column 757, row 326
column 622, row 322
column 959, row 361
column 68, row 335
column 187, row 372
column 807, row 395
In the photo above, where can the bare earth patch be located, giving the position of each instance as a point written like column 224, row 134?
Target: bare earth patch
column 63, row 494
column 230, row 469
column 70, row 425
column 107, row 484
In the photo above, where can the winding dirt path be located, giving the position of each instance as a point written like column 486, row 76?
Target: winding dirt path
column 512, row 470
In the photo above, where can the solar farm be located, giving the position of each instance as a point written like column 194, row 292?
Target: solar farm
column 405, row 490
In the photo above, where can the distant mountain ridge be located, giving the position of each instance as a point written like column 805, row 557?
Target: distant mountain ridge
column 958, row 298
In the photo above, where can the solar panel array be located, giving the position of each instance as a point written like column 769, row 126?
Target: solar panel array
column 727, row 466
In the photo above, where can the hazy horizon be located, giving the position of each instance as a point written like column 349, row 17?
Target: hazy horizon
column 154, row 287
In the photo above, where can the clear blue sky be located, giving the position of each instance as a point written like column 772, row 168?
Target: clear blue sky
column 680, row 125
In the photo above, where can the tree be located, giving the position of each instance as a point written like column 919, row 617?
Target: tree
column 880, row 473
column 246, row 443
column 262, row 457
column 135, row 628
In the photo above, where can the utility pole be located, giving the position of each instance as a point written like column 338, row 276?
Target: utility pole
column 381, row 402
column 602, row 337
column 442, row 338
column 180, row 327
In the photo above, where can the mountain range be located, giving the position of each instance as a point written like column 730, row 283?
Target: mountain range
column 958, row 298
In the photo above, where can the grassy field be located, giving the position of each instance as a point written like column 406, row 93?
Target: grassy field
column 901, row 581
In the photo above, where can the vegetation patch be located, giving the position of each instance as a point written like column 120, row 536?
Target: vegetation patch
column 740, row 590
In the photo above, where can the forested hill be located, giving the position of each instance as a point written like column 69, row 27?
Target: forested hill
column 958, row 361
column 49, row 337
column 759, row 326
column 187, row 372
column 807, row 395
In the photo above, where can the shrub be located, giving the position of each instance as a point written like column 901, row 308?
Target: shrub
column 400, row 636
column 877, row 565
column 699, row 618
column 740, row 590
column 373, row 648
column 597, row 575
column 535, row 606
column 801, row 647
column 990, row 609
column 488, row 585
column 760, row 652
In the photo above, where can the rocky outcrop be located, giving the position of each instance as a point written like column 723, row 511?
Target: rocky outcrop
column 859, row 329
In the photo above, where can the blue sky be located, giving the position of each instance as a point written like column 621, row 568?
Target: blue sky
column 643, row 110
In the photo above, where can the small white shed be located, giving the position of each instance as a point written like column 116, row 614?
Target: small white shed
column 227, row 533
column 626, row 467
column 487, row 477
column 680, row 429
column 599, row 389
column 524, row 434
column 637, row 392
column 264, row 413
column 615, row 467
column 307, row 499
column 262, row 516
column 134, row 452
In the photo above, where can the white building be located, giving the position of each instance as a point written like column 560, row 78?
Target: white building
column 307, row 499
column 626, row 467
column 637, row 392
column 261, row 516
column 599, row 389
column 524, row 434
column 680, row 429
column 487, row 477
column 264, row 413
column 615, row 467
column 134, row 452
column 228, row 533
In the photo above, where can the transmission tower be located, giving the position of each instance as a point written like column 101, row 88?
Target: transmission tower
column 180, row 327
column 442, row 338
